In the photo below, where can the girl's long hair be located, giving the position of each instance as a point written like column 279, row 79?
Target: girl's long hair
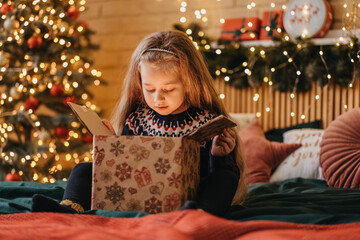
column 188, row 63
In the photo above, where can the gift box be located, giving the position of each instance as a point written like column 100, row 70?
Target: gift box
column 148, row 174
column 241, row 29
column 271, row 23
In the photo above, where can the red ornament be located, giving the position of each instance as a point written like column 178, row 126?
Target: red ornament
column 11, row 177
column 34, row 42
column 32, row 103
column 61, row 132
column 87, row 138
column 84, row 25
column 69, row 99
column 57, row 90
column 73, row 12
column 5, row 8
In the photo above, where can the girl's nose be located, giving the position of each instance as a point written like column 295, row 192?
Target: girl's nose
column 158, row 96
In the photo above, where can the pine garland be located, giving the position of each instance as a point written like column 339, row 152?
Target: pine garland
column 289, row 66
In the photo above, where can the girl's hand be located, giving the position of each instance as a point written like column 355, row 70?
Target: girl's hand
column 224, row 143
column 108, row 125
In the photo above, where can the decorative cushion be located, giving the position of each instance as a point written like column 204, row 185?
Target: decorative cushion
column 276, row 134
column 242, row 119
column 303, row 162
column 340, row 151
column 261, row 155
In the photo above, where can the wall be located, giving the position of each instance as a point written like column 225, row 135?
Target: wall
column 121, row 24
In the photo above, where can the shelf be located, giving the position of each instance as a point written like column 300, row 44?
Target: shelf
column 331, row 38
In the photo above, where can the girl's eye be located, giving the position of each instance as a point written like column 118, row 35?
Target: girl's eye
column 150, row 90
column 169, row 90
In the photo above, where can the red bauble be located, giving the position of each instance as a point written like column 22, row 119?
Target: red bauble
column 87, row 138
column 5, row 8
column 57, row 90
column 61, row 132
column 73, row 12
column 69, row 99
column 34, row 42
column 10, row 177
column 84, row 25
column 32, row 103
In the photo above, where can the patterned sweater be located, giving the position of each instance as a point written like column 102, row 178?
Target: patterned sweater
column 147, row 122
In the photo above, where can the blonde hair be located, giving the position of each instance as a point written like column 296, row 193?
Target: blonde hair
column 179, row 56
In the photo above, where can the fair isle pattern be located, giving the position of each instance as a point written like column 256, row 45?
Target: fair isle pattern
column 147, row 122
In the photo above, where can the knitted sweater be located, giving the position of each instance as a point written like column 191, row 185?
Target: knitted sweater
column 147, row 122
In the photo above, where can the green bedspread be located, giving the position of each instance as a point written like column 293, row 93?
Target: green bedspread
column 295, row 200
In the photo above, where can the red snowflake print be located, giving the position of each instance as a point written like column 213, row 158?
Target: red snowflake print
column 162, row 165
column 123, row 171
column 117, row 148
column 174, row 180
column 99, row 155
column 172, row 202
column 115, row 193
column 153, row 205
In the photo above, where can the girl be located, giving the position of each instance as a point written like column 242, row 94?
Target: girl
column 168, row 84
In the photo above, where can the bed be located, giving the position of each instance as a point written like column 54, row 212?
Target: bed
column 291, row 209
column 315, row 198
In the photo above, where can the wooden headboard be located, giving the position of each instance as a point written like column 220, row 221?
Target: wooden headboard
column 320, row 103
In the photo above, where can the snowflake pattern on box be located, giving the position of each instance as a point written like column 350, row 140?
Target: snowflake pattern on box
column 149, row 174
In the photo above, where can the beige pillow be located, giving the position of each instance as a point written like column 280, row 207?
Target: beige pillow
column 303, row 162
column 242, row 119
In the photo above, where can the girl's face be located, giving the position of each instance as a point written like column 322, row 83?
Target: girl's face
column 163, row 92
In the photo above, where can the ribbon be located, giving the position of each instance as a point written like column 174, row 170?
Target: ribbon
column 273, row 24
column 239, row 31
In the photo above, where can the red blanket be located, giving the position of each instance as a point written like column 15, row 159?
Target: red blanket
column 189, row 224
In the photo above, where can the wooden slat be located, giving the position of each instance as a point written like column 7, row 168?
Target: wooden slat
column 325, row 105
column 357, row 94
column 344, row 102
column 276, row 109
column 266, row 115
column 294, row 109
column 337, row 101
column 307, row 106
column 312, row 108
column 288, row 109
column 350, row 98
column 271, row 105
column 328, row 106
column 261, row 105
column 283, row 103
column 319, row 102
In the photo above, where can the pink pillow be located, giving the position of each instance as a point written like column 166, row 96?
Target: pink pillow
column 340, row 151
column 262, row 155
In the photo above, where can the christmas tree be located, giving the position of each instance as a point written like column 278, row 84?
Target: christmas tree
column 44, row 63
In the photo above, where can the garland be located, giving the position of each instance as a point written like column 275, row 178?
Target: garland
column 287, row 66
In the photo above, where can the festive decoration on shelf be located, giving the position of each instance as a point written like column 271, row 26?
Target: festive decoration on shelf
column 298, row 61
column 271, row 24
column 240, row 29
column 287, row 66
column 43, row 64
column 307, row 19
